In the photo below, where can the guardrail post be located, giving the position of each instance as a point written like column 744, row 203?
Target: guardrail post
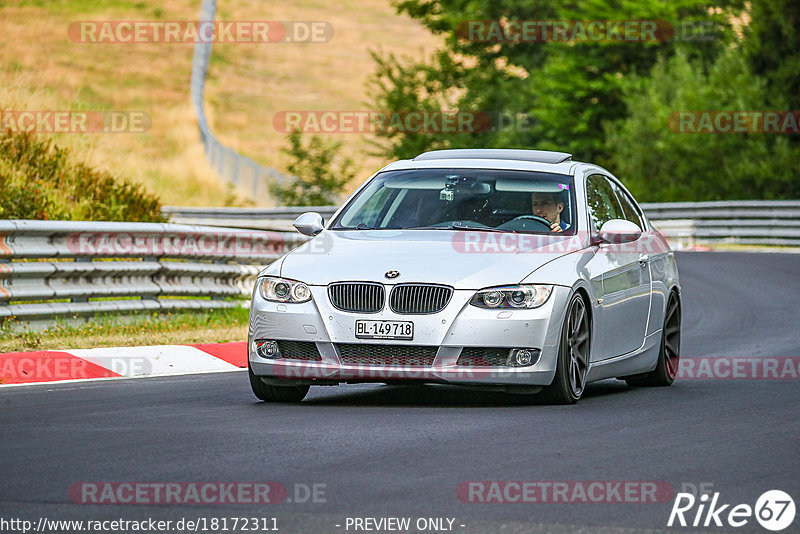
column 5, row 268
column 218, row 262
column 150, row 297
column 81, row 260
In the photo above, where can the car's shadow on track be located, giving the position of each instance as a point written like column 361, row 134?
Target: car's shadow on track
column 430, row 395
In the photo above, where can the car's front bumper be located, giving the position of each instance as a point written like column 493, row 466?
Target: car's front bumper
column 458, row 326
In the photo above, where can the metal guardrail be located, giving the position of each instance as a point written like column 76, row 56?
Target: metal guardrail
column 279, row 219
column 745, row 222
column 241, row 171
column 754, row 222
column 92, row 268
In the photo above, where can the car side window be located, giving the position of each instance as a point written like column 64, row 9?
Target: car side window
column 628, row 207
column 603, row 203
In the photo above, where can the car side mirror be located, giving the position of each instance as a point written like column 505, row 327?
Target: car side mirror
column 309, row 224
column 618, row 231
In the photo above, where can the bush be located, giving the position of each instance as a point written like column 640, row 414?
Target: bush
column 39, row 180
column 659, row 164
column 319, row 175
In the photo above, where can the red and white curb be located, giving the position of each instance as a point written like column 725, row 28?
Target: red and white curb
column 22, row 368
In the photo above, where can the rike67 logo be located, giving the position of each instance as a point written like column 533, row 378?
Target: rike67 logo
column 774, row 510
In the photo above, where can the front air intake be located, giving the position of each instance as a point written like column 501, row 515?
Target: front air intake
column 373, row 354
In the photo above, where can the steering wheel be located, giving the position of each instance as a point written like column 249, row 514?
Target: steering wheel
column 534, row 218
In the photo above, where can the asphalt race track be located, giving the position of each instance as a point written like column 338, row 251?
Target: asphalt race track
column 395, row 451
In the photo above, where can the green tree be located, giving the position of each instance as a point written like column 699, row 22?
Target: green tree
column 660, row 162
column 772, row 46
column 571, row 89
column 319, row 174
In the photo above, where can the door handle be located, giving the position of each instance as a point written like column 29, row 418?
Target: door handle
column 644, row 259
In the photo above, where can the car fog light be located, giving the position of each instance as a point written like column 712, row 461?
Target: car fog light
column 267, row 348
column 493, row 299
column 523, row 357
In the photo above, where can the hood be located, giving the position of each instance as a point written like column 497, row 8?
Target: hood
column 464, row 260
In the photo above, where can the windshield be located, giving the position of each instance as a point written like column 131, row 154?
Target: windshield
column 491, row 200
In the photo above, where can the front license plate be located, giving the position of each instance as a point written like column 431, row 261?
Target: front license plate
column 384, row 329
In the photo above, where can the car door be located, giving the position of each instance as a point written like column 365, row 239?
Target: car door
column 652, row 255
column 626, row 286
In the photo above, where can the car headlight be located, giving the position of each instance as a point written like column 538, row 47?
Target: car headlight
column 283, row 290
column 522, row 296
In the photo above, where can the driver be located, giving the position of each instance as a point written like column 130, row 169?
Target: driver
column 549, row 206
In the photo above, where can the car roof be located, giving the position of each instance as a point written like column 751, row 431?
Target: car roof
column 539, row 156
column 488, row 158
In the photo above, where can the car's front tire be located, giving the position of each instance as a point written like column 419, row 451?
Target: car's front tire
column 669, row 354
column 573, row 355
column 269, row 393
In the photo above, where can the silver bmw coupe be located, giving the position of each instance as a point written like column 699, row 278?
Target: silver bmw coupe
column 514, row 270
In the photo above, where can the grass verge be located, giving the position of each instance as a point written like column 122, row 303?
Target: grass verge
column 214, row 326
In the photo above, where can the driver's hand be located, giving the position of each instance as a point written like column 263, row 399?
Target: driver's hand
column 556, row 227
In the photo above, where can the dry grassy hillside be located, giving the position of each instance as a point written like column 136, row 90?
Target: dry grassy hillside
column 41, row 69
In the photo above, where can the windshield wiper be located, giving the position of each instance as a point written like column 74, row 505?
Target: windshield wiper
column 454, row 226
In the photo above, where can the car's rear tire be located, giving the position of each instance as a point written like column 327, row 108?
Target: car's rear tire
column 269, row 393
column 670, row 352
column 569, row 382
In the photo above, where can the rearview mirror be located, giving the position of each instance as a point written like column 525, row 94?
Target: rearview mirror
column 618, row 231
column 309, row 224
